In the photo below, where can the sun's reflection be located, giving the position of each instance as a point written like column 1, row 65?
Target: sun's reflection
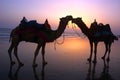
column 76, row 44
column 73, row 49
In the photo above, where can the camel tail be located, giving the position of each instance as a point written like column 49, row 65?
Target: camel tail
column 10, row 37
column 116, row 38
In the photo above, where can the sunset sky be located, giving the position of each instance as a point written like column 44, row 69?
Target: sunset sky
column 105, row 11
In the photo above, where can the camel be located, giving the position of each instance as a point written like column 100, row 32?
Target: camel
column 94, row 40
column 35, row 36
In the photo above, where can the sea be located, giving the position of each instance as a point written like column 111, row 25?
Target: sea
column 65, row 61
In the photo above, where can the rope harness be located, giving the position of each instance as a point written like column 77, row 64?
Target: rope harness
column 78, row 34
column 63, row 35
column 59, row 43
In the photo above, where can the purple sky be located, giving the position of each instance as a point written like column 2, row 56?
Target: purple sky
column 105, row 11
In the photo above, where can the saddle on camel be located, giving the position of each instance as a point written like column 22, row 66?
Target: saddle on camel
column 33, row 23
column 33, row 27
column 100, row 30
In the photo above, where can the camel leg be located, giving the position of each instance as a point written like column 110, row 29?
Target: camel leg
column 10, row 52
column 16, row 55
column 109, row 50
column 95, row 52
column 89, row 69
column 43, row 53
column 106, row 67
column 106, row 46
column 91, row 51
column 36, row 54
column 93, row 71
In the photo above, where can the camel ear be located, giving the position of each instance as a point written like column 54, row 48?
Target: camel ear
column 46, row 21
column 79, row 18
column 62, row 18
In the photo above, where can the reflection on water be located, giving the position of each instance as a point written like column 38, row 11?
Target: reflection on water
column 4, row 34
column 14, row 75
column 36, row 75
column 91, row 71
column 104, row 75
column 67, row 62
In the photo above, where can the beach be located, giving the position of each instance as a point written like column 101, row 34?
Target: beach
column 67, row 61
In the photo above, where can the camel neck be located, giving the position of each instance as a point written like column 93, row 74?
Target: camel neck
column 84, row 29
column 60, row 29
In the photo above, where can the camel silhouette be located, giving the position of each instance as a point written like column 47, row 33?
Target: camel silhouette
column 41, row 37
column 93, row 40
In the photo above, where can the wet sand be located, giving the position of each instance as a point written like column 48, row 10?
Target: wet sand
column 67, row 62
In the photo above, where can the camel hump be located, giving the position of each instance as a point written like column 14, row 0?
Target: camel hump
column 103, row 28
column 24, row 24
column 107, row 27
column 32, row 23
column 24, row 20
column 47, row 25
column 94, row 27
column 100, row 29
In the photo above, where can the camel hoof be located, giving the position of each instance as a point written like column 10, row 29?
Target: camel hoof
column 94, row 61
column 12, row 63
column 103, row 57
column 108, row 59
column 21, row 64
column 45, row 63
column 35, row 65
column 89, row 59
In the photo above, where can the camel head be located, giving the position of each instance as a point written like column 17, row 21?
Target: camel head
column 77, row 20
column 66, row 19
column 62, row 25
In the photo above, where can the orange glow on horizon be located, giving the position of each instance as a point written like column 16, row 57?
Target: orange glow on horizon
column 76, row 44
